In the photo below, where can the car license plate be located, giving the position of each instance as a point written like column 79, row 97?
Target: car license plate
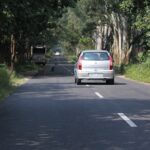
column 96, row 75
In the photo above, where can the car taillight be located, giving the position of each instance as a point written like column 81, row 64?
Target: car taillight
column 79, row 65
column 111, row 63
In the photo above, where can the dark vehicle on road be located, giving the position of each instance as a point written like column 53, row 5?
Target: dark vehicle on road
column 39, row 55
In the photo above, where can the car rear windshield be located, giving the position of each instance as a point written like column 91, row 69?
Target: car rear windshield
column 98, row 56
column 39, row 50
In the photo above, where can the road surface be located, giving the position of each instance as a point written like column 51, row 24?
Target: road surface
column 51, row 112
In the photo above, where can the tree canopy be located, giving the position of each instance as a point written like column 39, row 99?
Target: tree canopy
column 121, row 26
column 28, row 23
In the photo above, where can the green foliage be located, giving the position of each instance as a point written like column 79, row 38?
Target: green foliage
column 143, row 24
column 70, row 56
column 140, row 72
column 5, row 82
column 76, row 27
column 26, row 67
column 143, row 57
column 72, row 59
column 69, row 26
column 126, row 5
column 86, row 43
column 4, row 92
column 49, row 53
column 31, row 22
column 4, row 78
column 8, row 81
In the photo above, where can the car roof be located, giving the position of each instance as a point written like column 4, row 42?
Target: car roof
column 94, row 51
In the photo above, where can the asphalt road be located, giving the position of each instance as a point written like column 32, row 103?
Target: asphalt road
column 51, row 112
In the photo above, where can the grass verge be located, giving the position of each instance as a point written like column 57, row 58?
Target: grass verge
column 140, row 72
column 27, row 68
column 8, row 83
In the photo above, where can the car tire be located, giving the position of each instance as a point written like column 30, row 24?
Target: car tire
column 110, row 81
column 78, row 81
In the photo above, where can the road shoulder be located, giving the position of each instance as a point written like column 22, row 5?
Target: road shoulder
column 129, row 79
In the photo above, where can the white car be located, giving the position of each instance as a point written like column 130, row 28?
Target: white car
column 57, row 53
column 94, row 65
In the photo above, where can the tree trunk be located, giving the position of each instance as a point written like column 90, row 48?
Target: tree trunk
column 116, row 38
column 99, row 38
column 121, row 48
column 13, row 51
column 127, row 55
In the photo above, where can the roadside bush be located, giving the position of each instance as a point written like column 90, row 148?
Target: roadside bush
column 143, row 57
column 70, row 56
column 139, row 72
column 8, row 82
column 120, row 69
column 5, row 83
column 4, row 78
column 49, row 53
column 21, row 68
column 72, row 59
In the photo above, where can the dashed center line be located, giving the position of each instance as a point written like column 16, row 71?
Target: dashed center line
column 127, row 120
column 122, row 115
column 99, row 95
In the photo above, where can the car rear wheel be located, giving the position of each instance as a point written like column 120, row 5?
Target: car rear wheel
column 78, row 81
column 110, row 81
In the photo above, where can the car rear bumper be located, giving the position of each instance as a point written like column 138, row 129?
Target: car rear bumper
column 101, row 75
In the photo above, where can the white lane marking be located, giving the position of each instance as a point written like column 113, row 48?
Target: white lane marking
column 87, row 85
column 127, row 120
column 99, row 95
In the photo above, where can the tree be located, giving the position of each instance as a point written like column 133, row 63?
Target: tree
column 25, row 23
column 118, row 26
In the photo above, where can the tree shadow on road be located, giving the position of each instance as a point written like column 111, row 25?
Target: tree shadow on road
column 74, row 124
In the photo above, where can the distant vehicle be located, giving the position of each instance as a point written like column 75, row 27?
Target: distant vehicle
column 39, row 54
column 94, row 65
column 57, row 53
